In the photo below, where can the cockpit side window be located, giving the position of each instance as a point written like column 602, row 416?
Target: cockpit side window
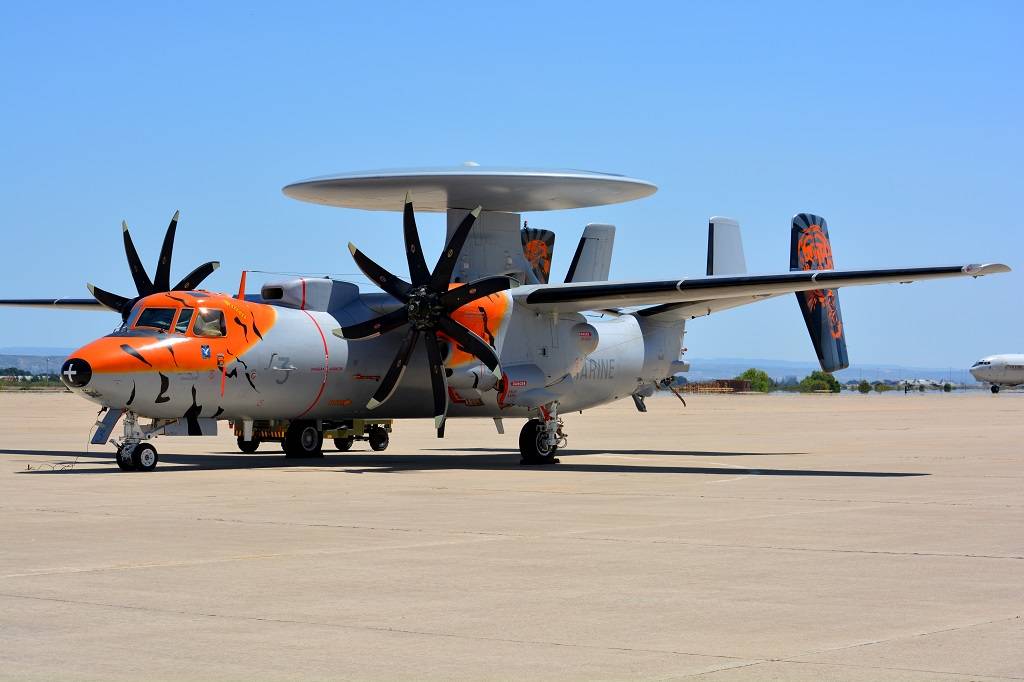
column 181, row 326
column 209, row 322
column 156, row 318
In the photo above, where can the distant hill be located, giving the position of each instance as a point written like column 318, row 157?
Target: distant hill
column 36, row 364
column 36, row 350
column 702, row 369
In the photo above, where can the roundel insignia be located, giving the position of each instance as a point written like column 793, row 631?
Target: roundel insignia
column 75, row 372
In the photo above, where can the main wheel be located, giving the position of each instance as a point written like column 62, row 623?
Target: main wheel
column 303, row 439
column 534, row 445
column 248, row 446
column 144, row 457
column 344, row 444
column 995, row 389
column 378, row 437
column 124, row 458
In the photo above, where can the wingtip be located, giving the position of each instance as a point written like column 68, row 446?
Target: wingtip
column 981, row 269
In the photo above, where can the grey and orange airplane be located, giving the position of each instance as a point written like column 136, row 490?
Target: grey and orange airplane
column 309, row 358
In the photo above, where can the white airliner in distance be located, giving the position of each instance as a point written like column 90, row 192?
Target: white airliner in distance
column 1000, row 370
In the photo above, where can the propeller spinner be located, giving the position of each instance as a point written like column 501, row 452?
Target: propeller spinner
column 162, row 280
column 429, row 304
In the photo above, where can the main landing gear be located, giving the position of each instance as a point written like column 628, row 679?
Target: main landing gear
column 133, row 453
column 541, row 438
column 995, row 388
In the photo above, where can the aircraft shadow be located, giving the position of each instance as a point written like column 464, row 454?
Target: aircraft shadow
column 370, row 462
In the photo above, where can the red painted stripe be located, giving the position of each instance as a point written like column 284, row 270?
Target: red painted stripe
column 327, row 356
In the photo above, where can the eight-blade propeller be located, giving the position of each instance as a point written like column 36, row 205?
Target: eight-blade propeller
column 160, row 283
column 429, row 304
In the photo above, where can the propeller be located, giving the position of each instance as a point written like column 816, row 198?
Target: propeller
column 162, row 279
column 428, row 305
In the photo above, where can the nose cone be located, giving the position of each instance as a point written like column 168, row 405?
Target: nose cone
column 76, row 373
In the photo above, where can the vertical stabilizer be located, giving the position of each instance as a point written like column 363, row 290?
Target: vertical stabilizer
column 810, row 249
column 593, row 258
column 725, row 247
column 538, row 248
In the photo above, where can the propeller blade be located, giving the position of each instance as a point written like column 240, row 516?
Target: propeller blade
column 485, row 286
column 143, row 284
column 112, row 301
column 162, row 276
column 418, row 271
column 446, row 263
column 375, row 327
column 471, row 343
column 398, row 365
column 398, row 288
column 195, row 278
column 438, row 382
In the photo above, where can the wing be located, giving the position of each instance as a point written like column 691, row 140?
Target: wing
column 706, row 294
column 63, row 303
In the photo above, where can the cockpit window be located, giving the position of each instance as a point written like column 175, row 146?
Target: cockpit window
column 156, row 318
column 209, row 322
column 183, row 319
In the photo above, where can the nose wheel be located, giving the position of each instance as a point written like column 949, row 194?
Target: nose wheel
column 137, row 457
column 995, row 389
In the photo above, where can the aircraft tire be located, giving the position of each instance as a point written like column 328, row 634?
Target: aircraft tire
column 124, row 460
column 378, row 437
column 995, row 389
column 248, row 446
column 144, row 457
column 303, row 439
column 533, row 448
column 344, row 444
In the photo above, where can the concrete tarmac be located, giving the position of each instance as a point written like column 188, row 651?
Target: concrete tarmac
column 742, row 537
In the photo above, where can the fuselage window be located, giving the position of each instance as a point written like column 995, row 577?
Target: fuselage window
column 156, row 318
column 210, row 322
column 183, row 320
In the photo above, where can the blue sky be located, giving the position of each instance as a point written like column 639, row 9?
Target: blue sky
column 899, row 122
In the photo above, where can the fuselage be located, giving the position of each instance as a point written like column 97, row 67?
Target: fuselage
column 208, row 355
column 1000, row 370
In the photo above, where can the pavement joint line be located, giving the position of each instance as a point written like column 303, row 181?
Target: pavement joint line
column 913, row 635
column 568, row 536
column 768, row 661
column 371, row 628
column 242, row 557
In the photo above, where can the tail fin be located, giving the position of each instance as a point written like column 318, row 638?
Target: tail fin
column 725, row 247
column 810, row 249
column 593, row 257
column 538, row 247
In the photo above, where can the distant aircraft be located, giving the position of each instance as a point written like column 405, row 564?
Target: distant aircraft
column 310, row 358
column 1000, row 370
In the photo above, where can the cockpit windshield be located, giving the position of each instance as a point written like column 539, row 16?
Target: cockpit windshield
column 210, row 322
column 156, row 318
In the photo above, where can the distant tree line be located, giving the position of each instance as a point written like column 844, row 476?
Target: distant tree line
column 821, row 382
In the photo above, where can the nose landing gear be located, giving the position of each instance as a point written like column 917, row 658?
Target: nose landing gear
column 995, row 388
column 133, row 453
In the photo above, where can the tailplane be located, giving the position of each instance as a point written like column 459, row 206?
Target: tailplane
column 810, row 249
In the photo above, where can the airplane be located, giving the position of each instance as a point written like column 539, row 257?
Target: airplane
column 1000, row 370
column 484, row 333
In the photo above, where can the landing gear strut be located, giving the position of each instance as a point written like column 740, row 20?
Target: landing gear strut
column 540, row 438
